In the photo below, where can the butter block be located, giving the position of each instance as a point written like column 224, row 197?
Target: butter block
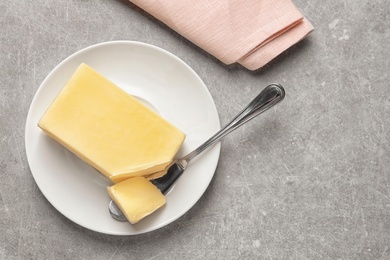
column 136, row 197
column 110, row 129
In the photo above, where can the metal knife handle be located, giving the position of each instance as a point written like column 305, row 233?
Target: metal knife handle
column 267, row 98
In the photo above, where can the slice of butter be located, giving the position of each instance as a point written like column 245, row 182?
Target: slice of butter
column 109, row 129
column 136, row 197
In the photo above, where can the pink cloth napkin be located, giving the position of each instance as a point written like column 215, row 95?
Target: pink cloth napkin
column 250, row 32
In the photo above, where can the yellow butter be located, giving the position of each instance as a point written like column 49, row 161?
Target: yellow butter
column 109, row 129
column 136, row 197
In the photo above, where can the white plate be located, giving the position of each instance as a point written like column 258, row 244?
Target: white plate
column 159, row 79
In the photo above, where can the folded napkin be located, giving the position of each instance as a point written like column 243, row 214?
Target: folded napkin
column 250, row 32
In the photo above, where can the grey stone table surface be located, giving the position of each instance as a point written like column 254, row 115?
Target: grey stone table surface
column 308, row 180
